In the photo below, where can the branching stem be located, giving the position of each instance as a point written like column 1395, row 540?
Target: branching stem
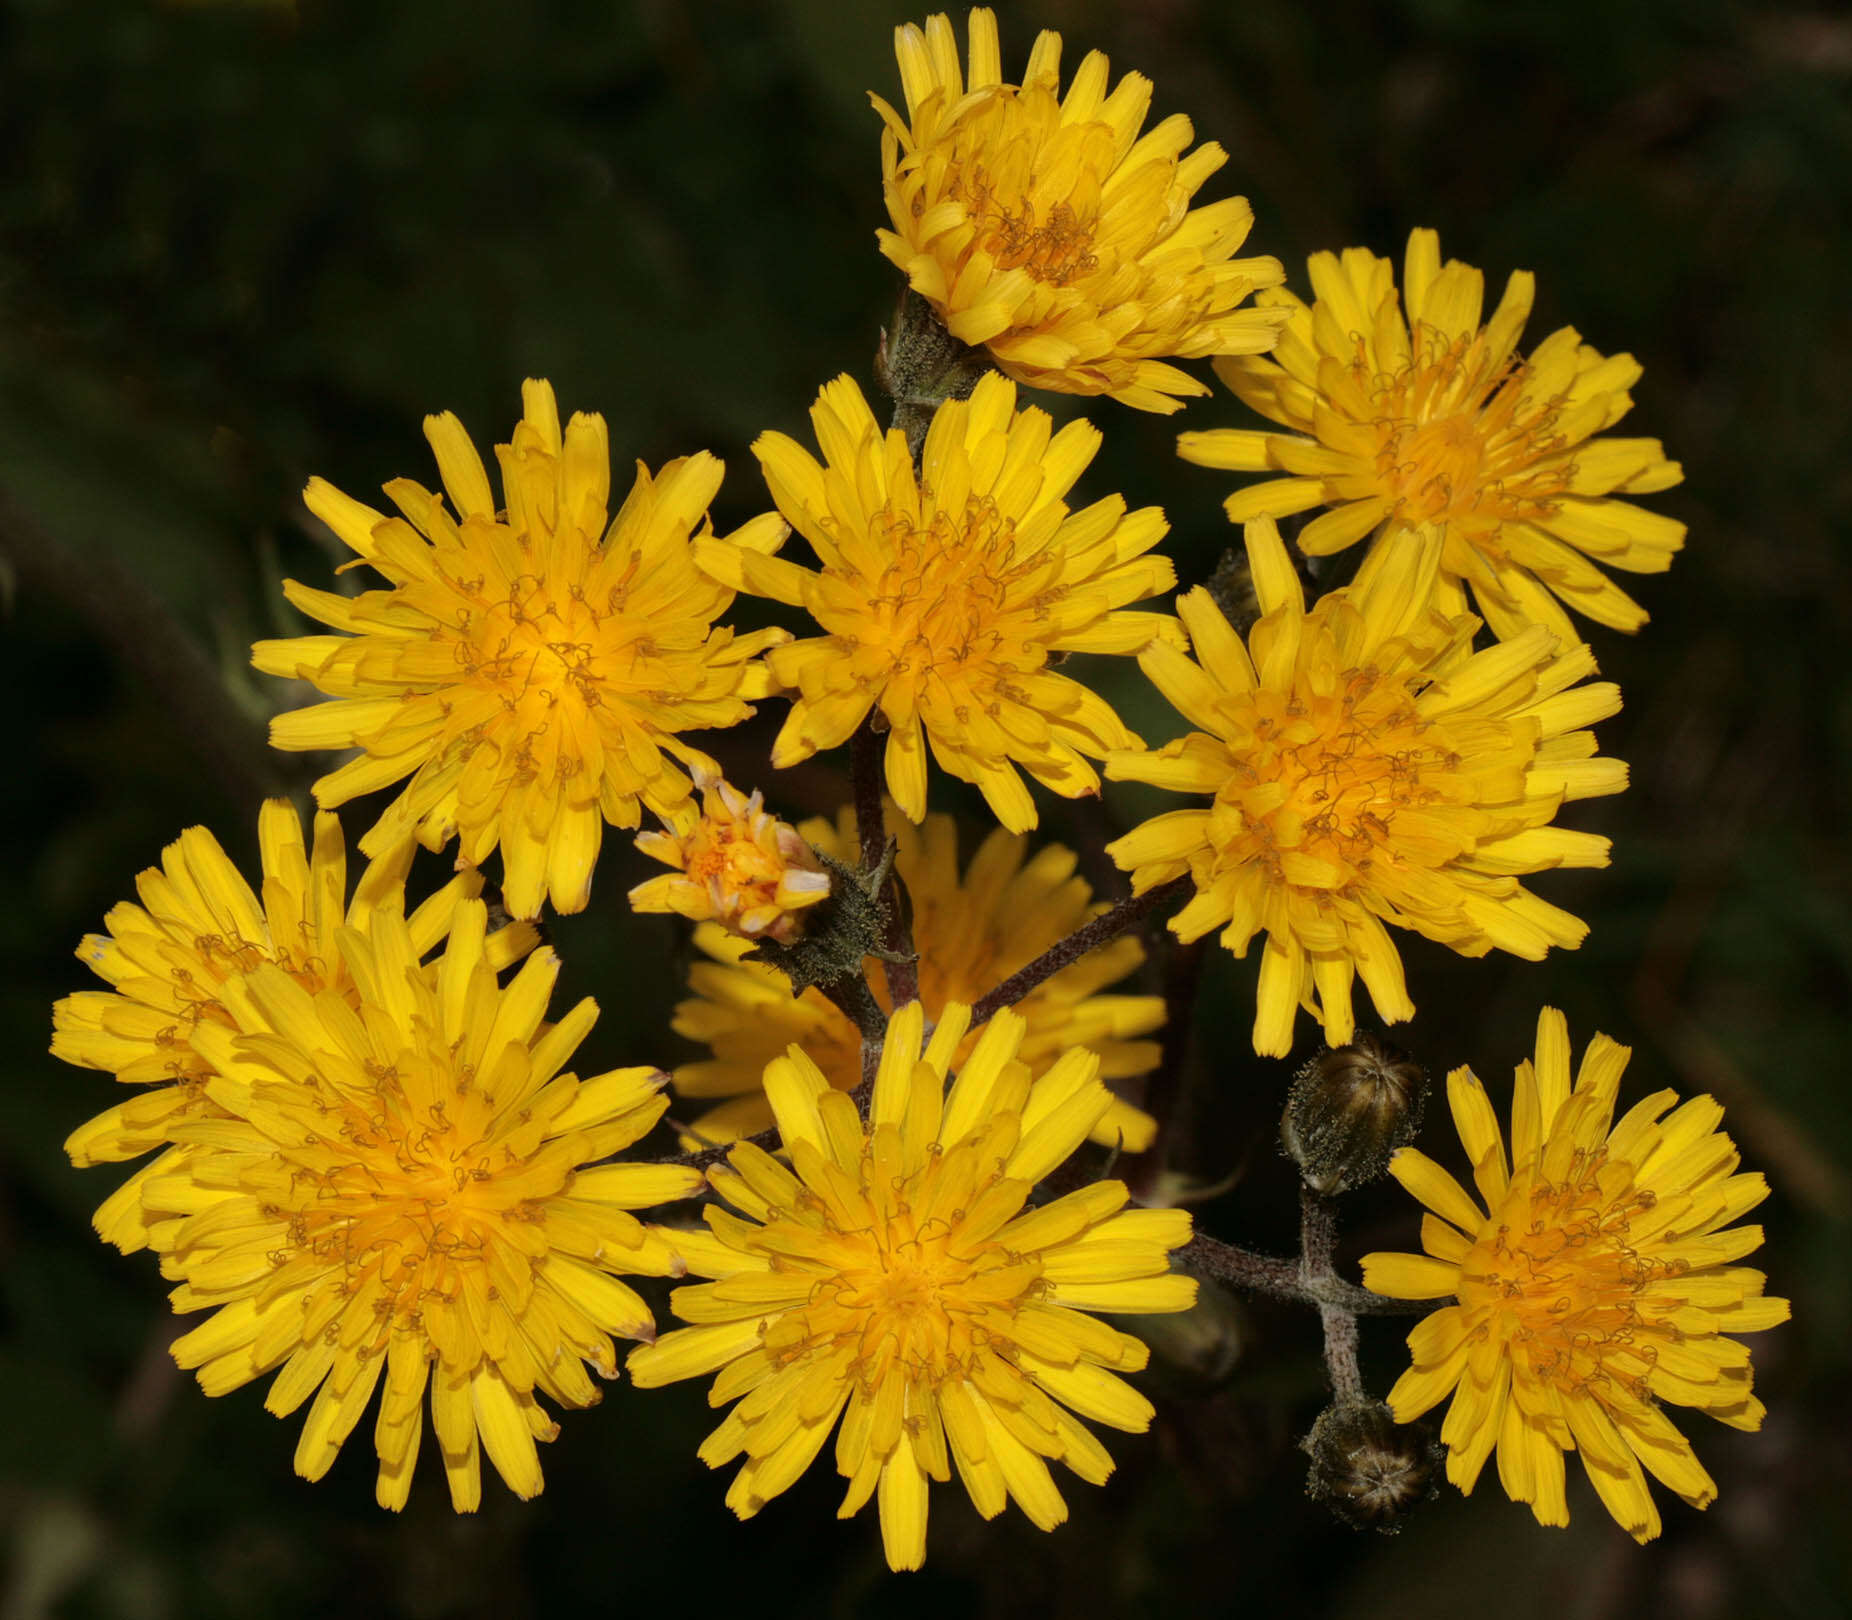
column 1284, row 1278
column 1318, row 1236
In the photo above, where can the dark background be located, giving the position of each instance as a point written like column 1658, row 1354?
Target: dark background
column 241, row 245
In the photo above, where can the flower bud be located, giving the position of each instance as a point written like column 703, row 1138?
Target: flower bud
column 1349, row 1109
column 1368, row 1469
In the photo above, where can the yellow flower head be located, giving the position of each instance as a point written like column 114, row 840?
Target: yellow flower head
column 1399, row 422
column 1367, row 768
column 529, row 668
column 199, row 926
column 735, row 864
column 944, row 595
column 890, row 1278
column 972, row 931
column 394, row 1196
column 1596, row 1285
column 1049, row 231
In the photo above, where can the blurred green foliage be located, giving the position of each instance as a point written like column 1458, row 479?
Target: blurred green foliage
column 240, row 244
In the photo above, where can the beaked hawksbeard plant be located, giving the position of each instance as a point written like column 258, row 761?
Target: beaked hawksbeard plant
column 375, row 1176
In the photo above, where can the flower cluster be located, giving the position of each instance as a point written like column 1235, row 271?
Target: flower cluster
column 375, row 1172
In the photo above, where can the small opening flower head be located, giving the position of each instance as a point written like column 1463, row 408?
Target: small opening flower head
column 200, row 925
column 972, row 929
column 396, row 1195
column 530, row 667
column 1366, row 768
column 1048, row 230
column 1349, row 1109
column 1369, row 1470
column 946, row 594
column 1430, row 418
column 1595, row 1283
column 891, row 1278
column 735, row 864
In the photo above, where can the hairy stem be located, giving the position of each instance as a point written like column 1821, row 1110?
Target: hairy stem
column 1063, row 953
column 866, row 772
column 920, row 365
column 1318, row 1236
column 857, row 1002
column 1284, row 1278
column 703, row 1158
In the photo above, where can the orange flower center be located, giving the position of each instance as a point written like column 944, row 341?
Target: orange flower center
column 543, row 652
column 1319, row 788
column 1055, row 247
column 921, row 1287
column 951, row 603
column 540, row 659
column 1555, row 1276
column 1456, row 441
column 908, row 1295
column 726, row 853
column 403, row 1197
column 1030, row 185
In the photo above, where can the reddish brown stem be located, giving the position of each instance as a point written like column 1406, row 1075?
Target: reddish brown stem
column 703, row 1159
column 1108, row 925
column 866, row 773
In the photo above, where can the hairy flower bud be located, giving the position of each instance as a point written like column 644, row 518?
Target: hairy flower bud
column 1349, row 1109
column 1368, row 1469
column 920, row 364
